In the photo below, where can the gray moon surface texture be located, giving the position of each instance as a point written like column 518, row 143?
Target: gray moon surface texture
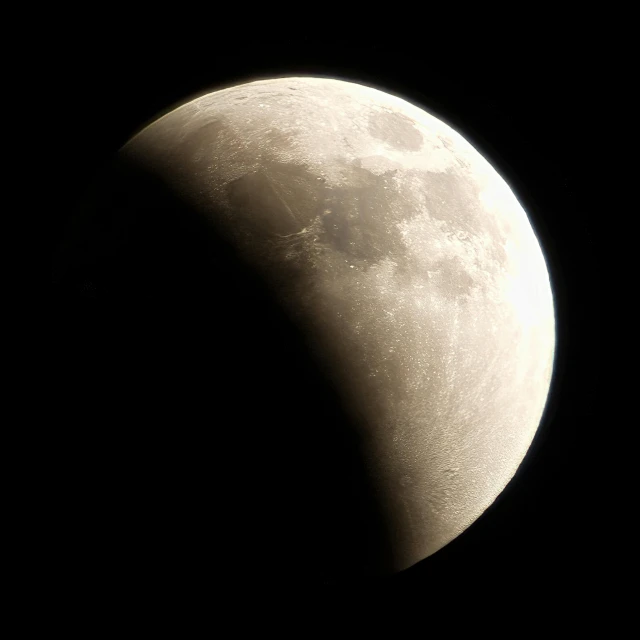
column 405, row 259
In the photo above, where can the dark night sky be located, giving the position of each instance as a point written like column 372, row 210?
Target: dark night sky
column 521, row 107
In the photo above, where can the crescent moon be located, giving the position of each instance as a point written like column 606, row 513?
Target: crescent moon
column 408, row 263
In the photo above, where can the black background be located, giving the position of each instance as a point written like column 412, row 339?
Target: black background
column 519, row 104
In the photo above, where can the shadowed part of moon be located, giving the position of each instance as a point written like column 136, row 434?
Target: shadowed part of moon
column 395, row 130
column 226, row 460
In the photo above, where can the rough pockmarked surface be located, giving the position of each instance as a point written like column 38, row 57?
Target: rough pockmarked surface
column 405, row 259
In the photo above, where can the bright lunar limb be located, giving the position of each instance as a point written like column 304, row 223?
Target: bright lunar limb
column 405, row 259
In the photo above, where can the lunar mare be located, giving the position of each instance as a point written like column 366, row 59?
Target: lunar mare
column 407, row 261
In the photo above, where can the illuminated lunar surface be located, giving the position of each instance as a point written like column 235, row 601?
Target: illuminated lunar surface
column 406, row 261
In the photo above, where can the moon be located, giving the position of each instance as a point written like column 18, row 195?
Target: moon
column 406, row 262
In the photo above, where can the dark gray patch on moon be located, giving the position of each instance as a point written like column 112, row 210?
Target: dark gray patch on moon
column 259, row 197
column 280, row 191
column 395, row 130
column 451, row 199
column 294, row 207
column 452, row 279
column 287, row 213
column 353, row 223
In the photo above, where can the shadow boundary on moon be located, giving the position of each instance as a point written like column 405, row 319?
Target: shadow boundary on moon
column 207, row 438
